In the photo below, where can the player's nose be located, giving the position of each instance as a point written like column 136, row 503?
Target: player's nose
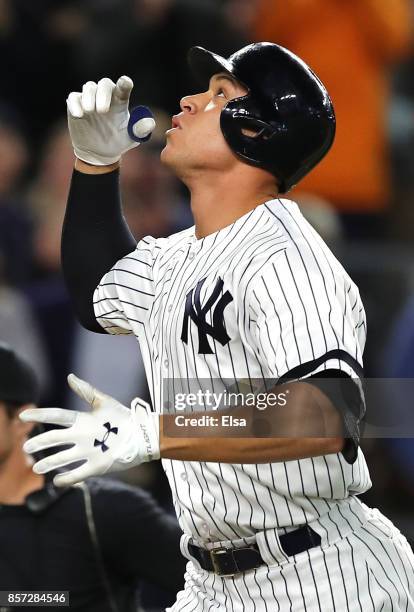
column 188, row 104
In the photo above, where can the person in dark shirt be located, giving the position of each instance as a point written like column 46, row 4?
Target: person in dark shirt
column 96, row 540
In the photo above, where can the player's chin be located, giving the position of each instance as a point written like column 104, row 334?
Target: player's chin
column 165, row 153
column 168, row 155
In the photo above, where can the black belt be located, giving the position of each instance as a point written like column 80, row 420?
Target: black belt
column 231, row 561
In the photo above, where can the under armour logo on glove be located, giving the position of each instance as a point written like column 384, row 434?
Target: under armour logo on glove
column 197, row 313
column 109, row 430
column 135, row 439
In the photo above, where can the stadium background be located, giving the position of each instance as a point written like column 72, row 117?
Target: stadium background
column 362, row 201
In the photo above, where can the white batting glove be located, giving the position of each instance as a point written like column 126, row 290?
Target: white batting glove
column 109, row 438
column 98, row 121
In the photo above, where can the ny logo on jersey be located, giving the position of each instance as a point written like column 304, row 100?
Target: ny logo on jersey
column 109, row 430
column 197, row 313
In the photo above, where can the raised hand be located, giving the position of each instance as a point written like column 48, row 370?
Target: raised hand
column 111, row 437
column 98, row 121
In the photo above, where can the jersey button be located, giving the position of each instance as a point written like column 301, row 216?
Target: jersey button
column 166, row 363
column 191, row 256
column 204, row 530
column 169, row 308
column 184, row 477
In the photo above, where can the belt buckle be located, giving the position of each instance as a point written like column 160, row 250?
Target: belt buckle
column 214, row 554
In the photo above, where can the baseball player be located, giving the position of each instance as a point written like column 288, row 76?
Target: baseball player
column 250, row 293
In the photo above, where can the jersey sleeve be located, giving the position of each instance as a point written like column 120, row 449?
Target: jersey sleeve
column 305, row 322
column 305, row 318
column 124, row 296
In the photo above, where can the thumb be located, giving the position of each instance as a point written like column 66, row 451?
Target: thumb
column 143, row 128
column 141, row 124
column 89, row 394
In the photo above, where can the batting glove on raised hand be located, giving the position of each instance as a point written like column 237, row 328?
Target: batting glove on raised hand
column 109, row 438
column 98, row 121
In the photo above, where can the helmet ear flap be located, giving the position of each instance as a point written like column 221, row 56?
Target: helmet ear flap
column 246, row 135
column 254, row 128
column 245, row 131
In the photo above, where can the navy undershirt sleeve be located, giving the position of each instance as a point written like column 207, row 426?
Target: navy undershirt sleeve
column 95, row 236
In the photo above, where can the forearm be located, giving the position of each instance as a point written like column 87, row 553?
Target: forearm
column 307, row 425
column 95, row 235
column 247, row 450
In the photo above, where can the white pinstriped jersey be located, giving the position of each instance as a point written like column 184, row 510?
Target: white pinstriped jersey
column 285, row 300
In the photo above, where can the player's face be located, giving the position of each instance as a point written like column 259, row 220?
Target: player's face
column 6, row 434
column 13, row 432
column 196, row 142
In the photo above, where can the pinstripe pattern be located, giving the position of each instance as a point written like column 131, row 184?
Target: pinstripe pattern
column 292, row 302
column 368, row 567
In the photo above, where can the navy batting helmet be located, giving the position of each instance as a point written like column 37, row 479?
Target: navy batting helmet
column 286, row 105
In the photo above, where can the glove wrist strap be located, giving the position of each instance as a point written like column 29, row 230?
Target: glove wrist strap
column 95, row 160
column 148, row 431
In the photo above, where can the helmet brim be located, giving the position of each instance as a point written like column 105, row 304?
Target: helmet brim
column 204, row 64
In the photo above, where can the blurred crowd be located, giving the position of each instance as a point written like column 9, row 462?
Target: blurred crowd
column 361, row 198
